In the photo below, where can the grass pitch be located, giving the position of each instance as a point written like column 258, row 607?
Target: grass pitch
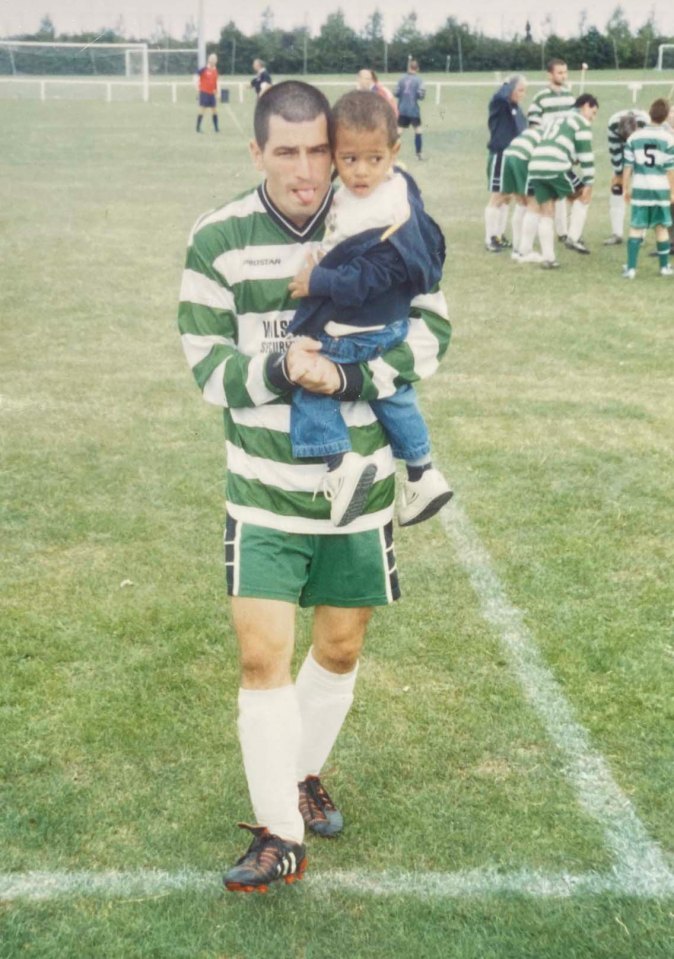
column 552, row 415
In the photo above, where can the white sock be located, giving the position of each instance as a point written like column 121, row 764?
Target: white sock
column 503, row 219
column 546, row 234
column 616, row 213
column 270, row 731
column 561, row 218
column 518, row 216
column 324, row 700
column 577, row 220
column 492, row 216
column 529, row 231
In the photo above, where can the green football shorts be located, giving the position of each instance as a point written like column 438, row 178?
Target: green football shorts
column 514, row 175
column 345, row 569
column 643, row 217
column 555, row 188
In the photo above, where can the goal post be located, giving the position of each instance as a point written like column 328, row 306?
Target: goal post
column 76, row 61
column 665, row 53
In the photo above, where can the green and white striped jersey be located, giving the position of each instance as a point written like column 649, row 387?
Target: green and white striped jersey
column 234, row 310
column 565, row 142
column 616, row 146
column 549, row 104
column 523, row 145
column 649, row 152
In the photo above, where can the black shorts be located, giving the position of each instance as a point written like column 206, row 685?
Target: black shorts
column 206, row 99
column 405, row 122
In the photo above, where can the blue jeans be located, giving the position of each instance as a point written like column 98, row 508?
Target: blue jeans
column 317, row 428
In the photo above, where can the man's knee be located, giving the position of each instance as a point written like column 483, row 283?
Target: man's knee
column 265, row 633
column 338, row 635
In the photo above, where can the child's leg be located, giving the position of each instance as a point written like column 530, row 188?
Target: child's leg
column 425, row 490
column 317, row 428
column 405, row 426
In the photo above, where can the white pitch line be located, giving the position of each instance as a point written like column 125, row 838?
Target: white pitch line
column 147, row 883
column 639, row 861
column 640, row 869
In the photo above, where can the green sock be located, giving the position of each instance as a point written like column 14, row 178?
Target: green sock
column 633, row 247
column 663, row 252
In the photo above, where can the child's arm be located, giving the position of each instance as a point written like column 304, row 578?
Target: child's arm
column 354, row 282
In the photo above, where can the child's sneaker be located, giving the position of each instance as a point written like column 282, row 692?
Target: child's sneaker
column 422, row 498
column 666, row 271
column 347, row 487
column 629, row 273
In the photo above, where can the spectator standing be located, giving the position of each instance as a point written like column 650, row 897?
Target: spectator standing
column 410, row 90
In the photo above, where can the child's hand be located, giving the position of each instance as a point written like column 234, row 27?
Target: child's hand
column 299, row 286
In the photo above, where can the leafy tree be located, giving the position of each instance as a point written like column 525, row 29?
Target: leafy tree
column 46, row 31
column 338, row 48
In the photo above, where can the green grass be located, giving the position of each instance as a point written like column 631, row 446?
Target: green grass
column 552, row 415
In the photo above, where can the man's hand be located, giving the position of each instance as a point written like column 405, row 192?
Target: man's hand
column 299, row 286
column 307, row 368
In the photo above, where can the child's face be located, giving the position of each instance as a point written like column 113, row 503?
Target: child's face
column 363, row 158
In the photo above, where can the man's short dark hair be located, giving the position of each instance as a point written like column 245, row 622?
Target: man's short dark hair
column 626, row 126
column 659, row 110
column 364, row 110
column 555, row 62
column 586, row 98
column 294, row 101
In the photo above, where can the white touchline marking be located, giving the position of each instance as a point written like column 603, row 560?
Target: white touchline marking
column 143, row 884
column 640, row 869
column 235, row 120
column 639, row 861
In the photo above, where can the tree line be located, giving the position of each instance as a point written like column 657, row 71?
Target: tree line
column 337, row 48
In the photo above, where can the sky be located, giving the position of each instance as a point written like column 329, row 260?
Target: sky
column 494, row 17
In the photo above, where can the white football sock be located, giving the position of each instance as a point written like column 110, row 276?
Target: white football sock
column 324, row 700
column 616, row 213
column 546, row 235
column 561, row 218
column 270, row 731
column 503, row 219
column 577, row 220
column 518, row 216
column 529, row 231
column 492, row 217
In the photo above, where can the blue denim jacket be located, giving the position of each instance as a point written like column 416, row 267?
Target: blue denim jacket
column 367, row 281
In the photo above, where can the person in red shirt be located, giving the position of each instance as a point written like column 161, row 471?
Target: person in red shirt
column 209, row 85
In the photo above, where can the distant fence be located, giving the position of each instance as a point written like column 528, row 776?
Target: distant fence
column 54, row 88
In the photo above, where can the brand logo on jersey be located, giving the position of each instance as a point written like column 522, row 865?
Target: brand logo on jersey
column 265, row 261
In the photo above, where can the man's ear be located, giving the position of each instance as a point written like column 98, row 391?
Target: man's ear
column 256, row 154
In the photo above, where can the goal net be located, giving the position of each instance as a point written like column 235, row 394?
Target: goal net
column 174, row 62
column 665, row 56
column 122, row 62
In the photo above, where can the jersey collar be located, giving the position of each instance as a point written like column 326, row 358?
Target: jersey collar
column 298, row 233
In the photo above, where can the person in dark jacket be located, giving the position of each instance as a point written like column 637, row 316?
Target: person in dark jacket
column 506, row 121
column 381, row 250
column 262, row 79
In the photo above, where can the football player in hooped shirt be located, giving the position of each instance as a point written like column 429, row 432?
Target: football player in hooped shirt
column 281, row 548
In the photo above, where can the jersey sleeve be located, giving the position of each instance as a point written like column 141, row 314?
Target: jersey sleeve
column 615, row 149
column 585, row 154
column 208, row 325
column 535, row 112
column 417, row 357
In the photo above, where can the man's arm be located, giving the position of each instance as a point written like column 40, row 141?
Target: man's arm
column 585, row 154
column 415, row 359
column 208, row 324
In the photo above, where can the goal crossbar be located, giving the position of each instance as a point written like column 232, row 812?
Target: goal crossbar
column 15, row 46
